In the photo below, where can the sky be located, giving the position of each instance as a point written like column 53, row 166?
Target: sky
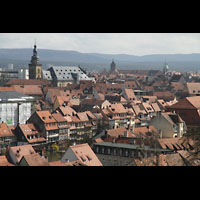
column 109, row 43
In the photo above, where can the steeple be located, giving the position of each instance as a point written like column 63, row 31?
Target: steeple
column 113, row 66
column 113, row 69
column 35, row 50
column 35, row 57
column 35, row 68
column 165, row 68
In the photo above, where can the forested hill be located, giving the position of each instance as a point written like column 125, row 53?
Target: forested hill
column 181, row 62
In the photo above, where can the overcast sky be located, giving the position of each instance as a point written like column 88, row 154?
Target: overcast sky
column 109, row 43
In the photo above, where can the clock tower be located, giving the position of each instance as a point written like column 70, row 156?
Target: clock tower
column 35, row 69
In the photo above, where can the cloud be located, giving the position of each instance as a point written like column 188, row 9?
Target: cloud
column 112, row 43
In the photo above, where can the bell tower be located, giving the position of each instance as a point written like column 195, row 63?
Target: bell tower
column 35, row 68
column 112, row 66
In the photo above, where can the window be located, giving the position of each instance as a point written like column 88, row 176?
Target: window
column 108, row 150
column 102, row 150
column 82, row 158
column 88, row 157
column 126, row 153
column 120, row 152
column 97, row 149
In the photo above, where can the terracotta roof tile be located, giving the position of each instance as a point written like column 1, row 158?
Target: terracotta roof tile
column 82, row 116
column 155, row 107
column 143, row 131
column 28, row 82
column 58, row 117
column 29, row 89
column 120, row 131
column 5, row 131
column 7, row 89
column 67, row 110
column 46, row 116
column 20, row 151
column 130, row 94
column 116, row 108
column 85, row 154
column 35, row 160
column 4, row 161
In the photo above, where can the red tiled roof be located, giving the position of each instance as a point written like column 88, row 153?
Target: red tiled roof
column 85, row 154
column 164, row 95
column 116, row 108
column 5, row 131
column 155, row 107
column 7, row 89
column 46, row 116
column 58, row 117
column 35, row 160
column 29, row 129
column 187, row 103
column 20, row 151
column 72, row 163
column 82, row 116
column 66, row 110
column 28, row 82
column 4, row 161
column 130, row 94
column 28, row 89
column 120, row 131
column 142, row 131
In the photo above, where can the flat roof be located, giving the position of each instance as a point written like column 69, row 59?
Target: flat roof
column 14, row 96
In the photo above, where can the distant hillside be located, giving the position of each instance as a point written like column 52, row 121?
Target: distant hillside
column 96, row 61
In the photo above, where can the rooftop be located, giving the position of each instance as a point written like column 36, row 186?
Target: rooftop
column 66, row 73
column 14, row 96
column 128, row 146
column 85, row 154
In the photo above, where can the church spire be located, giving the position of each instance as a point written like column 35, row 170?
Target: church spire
column 35, row 49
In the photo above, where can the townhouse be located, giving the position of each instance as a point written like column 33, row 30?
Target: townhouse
column 188, row 109
column 117, row 116
column 28, row 134
column 25, row 155
column 169, row 125
column 7, row 136
column 128, row 94
column 48, row 126
column 82, row 125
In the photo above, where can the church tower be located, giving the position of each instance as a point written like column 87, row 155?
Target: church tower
column 165, row 68
column 112, row 66
column 35, row 69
